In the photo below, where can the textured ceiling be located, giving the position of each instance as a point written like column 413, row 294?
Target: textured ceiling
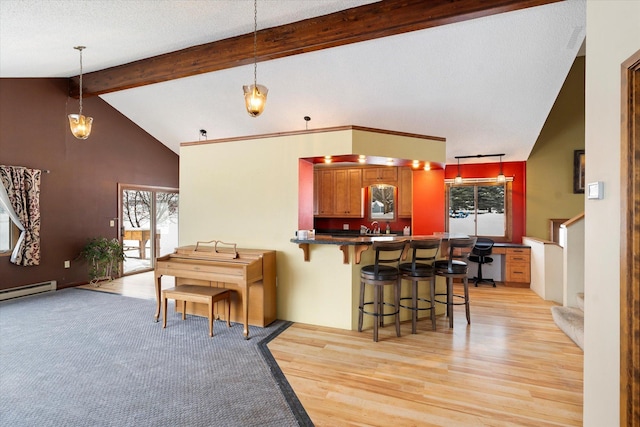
column 486, row 85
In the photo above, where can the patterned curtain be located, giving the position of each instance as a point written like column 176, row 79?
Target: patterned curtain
column 23, row 190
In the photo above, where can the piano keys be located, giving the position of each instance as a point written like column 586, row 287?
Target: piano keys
column 249, row 272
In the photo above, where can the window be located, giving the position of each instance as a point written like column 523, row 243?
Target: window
column 479, row 208
column 9, row 233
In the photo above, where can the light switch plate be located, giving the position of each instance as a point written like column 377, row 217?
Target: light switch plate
column 595, row 190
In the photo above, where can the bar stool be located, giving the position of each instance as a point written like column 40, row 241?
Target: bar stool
column 420, row 268
column 455, row 268
column 384, row 272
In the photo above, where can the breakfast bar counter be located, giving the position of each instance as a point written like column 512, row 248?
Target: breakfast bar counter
column 360, row 243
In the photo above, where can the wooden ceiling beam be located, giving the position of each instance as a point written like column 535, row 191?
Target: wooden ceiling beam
column 367, row 22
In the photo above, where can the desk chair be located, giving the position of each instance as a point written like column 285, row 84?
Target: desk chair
column 480, row 254
column 420, row 268
column 455, row 268
column 384, row 272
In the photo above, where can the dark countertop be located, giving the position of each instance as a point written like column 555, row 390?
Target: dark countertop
column 363, row 242
column 368, row 239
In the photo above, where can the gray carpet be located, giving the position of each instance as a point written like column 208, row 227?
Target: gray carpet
column 83, row 358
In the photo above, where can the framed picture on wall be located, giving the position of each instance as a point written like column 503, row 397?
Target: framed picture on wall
column 578, row 171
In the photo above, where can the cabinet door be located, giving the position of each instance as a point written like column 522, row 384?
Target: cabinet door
column 369, row 176
column 380, row 175
column 326, row 205
column 316, row 193
column 388, row 175
column 405, row 189
column 348, row 200
column 356, row 202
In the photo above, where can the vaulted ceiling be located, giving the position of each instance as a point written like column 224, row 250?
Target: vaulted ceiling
column 461, row 70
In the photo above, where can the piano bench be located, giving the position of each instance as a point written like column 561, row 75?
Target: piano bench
column 195, row 293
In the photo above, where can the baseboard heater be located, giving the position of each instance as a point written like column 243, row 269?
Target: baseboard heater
column 21, row 291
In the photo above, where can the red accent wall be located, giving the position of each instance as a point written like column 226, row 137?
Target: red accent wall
column 305, row 195
column 428, row 202
column 517, row 170
column 79, row 196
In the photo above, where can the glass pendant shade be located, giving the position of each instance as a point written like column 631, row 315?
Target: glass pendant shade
column 80, row 125
column 501, row 177
column 255, row 98
column 458, row 178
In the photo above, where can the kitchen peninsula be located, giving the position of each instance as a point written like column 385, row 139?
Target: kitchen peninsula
column 359, row 244
column 256, row 191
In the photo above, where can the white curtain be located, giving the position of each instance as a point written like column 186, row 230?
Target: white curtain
column 6, row 205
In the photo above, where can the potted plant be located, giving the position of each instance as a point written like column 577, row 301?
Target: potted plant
column 103, row 256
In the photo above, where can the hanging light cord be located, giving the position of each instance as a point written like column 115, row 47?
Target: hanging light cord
column 255, row 42
column 80, row 49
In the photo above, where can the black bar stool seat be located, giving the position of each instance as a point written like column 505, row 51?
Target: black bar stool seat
column 383, row 273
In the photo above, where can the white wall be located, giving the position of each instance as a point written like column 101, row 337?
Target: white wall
column 546, row 269
column 613, row 35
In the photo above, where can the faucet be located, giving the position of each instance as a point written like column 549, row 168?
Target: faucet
column 375, row 228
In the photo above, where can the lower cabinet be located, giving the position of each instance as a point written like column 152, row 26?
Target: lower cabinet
column 518, row 266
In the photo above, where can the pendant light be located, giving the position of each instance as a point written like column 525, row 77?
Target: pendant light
column 458, row 178
column 501, row 177
column 80, row 125
column 255, row 95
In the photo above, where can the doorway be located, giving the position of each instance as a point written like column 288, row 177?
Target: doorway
column 148, row 225
column 630, row 244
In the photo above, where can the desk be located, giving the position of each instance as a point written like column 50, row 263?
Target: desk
column 516, row 268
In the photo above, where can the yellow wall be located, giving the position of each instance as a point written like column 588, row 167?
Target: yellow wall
column 246, row 192
column 550, row 164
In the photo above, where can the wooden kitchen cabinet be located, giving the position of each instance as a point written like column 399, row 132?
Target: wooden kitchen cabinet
column 405, row 192
column 518, row 266
column 380, row 175
column 348, row 193
column 338, row 193
column 324, row 182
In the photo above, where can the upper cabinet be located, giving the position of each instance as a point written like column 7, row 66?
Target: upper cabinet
column 379, row 175
column 405, row 192
column 338, row 193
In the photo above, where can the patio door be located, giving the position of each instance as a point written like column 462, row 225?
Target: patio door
column 148, row 225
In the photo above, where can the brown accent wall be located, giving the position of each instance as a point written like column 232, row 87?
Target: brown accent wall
column 79, row 196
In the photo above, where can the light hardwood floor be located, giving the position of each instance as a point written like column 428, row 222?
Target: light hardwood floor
column 511, row 367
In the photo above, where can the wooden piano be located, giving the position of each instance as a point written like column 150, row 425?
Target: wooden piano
column 250, row 272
